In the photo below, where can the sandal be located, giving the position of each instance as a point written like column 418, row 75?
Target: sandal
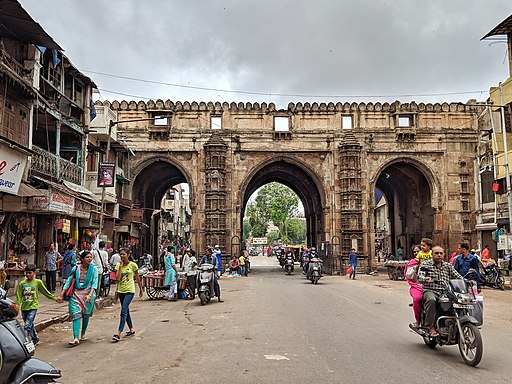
column 116, row 338
column 73, row 343
column 130, row 333
column 83, row 338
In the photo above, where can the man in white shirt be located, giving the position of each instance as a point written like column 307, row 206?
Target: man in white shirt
column 99, row 259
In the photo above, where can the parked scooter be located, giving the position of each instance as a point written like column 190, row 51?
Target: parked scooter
column 491, row 276
column 205, row 282
column 459, row 315
column 314, row 270
column 289, row 264
column 16, row 350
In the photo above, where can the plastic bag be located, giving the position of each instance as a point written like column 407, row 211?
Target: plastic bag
column 349, row 270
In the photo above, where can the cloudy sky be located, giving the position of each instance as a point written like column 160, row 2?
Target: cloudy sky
column 281, row 50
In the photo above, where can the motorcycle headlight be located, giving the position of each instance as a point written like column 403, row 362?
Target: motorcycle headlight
column 463, row 298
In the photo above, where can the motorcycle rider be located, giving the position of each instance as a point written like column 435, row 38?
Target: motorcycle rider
column 312, row 255
column 209, row 258
column 432, row 275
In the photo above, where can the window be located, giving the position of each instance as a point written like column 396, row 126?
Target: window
column 487, row 179
column 216, row 122
column 281, row 124
column 346, row 122
column 160, row 121
column 404, row 121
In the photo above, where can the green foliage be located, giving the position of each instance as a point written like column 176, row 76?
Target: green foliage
column 277, row 203
column 296, row 231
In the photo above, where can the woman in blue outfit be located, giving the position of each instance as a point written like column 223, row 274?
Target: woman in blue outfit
column 170, row 274
column 81, row 303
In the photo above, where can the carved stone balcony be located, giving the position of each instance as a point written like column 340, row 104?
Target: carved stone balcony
column 45, row 163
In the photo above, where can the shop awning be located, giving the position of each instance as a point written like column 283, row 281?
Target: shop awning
column 78, row 188
column 122, row 179
column 26, row 190
column 486, row 227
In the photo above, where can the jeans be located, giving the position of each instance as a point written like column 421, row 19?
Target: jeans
column 242, row 270
column 28, row 318
column 51, row 280
column 353, row 274
column 192, row 282
column 125, row 299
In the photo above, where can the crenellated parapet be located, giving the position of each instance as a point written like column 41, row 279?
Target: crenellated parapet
column 299, row 107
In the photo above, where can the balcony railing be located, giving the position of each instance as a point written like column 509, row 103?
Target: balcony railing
column 16, row 67
column 45, row 163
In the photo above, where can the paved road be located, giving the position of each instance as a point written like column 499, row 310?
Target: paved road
column 274, row 328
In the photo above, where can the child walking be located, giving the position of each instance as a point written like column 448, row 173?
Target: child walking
column 27, row 300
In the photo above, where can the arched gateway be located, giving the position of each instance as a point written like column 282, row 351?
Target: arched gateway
column 367, row 174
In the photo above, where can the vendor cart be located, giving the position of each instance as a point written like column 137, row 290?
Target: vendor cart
column 396, row 269
column 153, row 281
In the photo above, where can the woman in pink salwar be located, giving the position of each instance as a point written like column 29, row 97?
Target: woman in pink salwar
column 415, row 290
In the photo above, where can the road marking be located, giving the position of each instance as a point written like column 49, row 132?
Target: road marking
column 276, row 357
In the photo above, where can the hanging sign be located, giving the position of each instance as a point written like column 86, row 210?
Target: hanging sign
column 106, row 173
column 12, row 166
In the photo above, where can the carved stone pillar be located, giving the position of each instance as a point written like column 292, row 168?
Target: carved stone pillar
column 215, row 191
column 351, row 194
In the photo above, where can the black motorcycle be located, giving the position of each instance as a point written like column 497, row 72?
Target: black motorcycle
column 491, row 276
column 459, row 315
column 289, row 264
column 17, row 364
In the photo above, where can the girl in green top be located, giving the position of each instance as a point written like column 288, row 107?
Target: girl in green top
column 27, row 300
column 126, row 275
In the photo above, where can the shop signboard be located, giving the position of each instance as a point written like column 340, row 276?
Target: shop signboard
column 82, row 209
column 53, row 201
column 12, row 166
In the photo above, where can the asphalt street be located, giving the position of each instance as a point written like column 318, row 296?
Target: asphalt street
column 274, row 328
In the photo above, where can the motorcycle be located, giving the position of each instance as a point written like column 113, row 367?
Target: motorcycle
column 289, row 264
column 314, row 270
column 491, row 276
column 205, row 282
column 17, row 364
column 459, row 315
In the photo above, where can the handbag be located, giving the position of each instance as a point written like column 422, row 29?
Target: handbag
column 349, row 271
column 105, row 280
column 68, row 293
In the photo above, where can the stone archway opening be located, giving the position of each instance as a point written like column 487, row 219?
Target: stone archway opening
column 403, row 208
column 302, row 184
column 161, row 194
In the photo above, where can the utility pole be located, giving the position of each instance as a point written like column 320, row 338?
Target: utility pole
column 505, row 149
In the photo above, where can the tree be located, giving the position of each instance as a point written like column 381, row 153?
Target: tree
column 296, row 230
column 274, row 202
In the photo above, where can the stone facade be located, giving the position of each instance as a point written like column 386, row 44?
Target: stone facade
column 421, row 156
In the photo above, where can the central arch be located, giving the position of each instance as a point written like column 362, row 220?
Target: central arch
column 153, row 179
column 301, row 180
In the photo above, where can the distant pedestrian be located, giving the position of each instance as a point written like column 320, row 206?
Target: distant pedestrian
column 241, row 261
column 192, row 274
column 352, row 261
column 170, row 275
column 127, row 274
column 68, row 261
column 84, row 278
column 51, row 258
column 27, row 300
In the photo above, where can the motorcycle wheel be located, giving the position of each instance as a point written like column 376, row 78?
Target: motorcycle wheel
column 430, row 342
column 500, row 283
column 288, row 271
column 470, row 344
column 315, row 280
column 203, row 298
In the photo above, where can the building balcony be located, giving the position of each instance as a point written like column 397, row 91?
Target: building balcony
column 15, row 68
column 51, row 165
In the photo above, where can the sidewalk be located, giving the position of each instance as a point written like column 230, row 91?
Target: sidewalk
column 50, row 312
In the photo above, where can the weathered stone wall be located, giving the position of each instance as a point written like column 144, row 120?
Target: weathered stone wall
column 440, row 143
